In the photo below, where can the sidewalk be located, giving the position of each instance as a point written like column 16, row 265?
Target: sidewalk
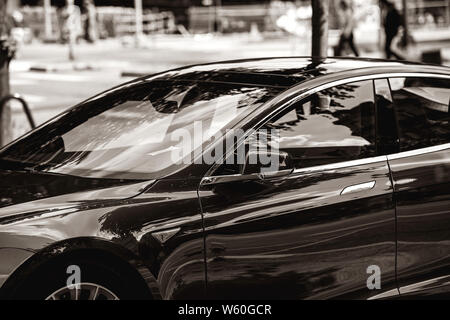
column 160, row 53
column 157, row 54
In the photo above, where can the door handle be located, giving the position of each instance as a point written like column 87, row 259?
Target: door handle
column 359, row 188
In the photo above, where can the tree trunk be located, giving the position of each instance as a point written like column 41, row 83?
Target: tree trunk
column 5, row 111
column 405, row 23
column 320, row 29
column 92, row 20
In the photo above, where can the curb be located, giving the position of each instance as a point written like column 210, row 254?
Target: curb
column 133, row 74
column 62, row 68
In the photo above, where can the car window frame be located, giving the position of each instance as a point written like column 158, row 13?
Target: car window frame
column 303, row 95
column 404, row 154
column 371, row 84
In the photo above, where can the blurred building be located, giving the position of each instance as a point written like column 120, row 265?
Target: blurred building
column 13, row 5
column 427, row 13
column 421, row 12
column 246, row 15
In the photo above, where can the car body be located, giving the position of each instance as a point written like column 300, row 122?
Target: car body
column 360, row 209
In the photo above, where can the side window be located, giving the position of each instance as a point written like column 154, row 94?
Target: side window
column 422, row 110
column 334, row 125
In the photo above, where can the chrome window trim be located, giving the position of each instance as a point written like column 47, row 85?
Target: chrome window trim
column 360, row 162
column 294, row 99
column 340, row 165
column 418, row 152
column 386, row 295
column 310, row 170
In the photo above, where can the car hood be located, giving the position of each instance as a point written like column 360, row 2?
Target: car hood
column 24, row 193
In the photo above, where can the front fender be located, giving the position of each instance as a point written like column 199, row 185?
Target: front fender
column 31, row 261
column 10, row 260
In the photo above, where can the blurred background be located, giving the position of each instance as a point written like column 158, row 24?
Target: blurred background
column 65, row 51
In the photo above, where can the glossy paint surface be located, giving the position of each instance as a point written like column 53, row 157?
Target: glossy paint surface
column 311, row 234
column 422, row 184
column 298, row 237
column 177, row 264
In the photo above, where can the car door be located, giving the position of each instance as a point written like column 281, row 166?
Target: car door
column 322, row 225
column 421, row 176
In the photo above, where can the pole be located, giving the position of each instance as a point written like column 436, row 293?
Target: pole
column 218, row 12
column 48, row 19
column 71, row 25
column 212, row 8
column 447, row 12
column 210, row 19
column 139, row 21
column 5, row 112
column 320, row 10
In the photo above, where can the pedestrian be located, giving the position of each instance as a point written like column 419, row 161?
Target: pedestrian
column 392, row 23
column 348, row 25
column 90, row 21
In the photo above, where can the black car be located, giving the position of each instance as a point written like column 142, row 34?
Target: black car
column 157, row 189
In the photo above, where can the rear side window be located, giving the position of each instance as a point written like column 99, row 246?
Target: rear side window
column 334, row 125
column 422, row 111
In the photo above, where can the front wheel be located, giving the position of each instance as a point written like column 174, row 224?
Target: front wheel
column 96, row 281
column 83, row 291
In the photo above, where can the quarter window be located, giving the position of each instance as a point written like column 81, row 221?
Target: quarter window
column 422, row 111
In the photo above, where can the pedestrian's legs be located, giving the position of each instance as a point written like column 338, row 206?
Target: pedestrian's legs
column 352, row 45
column 388, row 48
column 340, row 46
column 388, row 45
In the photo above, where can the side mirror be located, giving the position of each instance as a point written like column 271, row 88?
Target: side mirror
column 258, row 165
column 267, row 164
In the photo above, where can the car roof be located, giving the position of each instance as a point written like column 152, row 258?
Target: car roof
column 286, row 72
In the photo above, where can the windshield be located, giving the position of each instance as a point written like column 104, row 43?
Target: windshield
column 134, row 131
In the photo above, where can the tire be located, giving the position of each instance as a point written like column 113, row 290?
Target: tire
column 50, row 282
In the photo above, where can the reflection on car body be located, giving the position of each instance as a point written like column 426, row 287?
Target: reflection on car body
column 363, row 180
